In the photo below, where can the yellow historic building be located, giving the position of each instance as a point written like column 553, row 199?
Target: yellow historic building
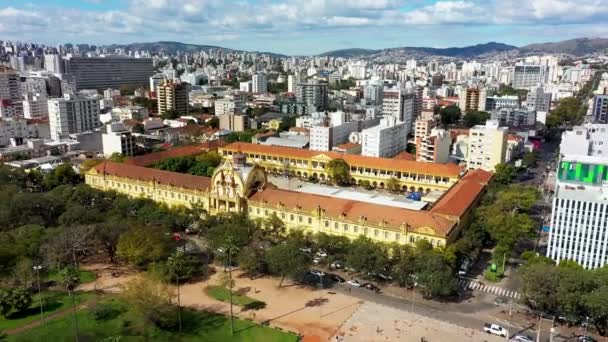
column 240, row 186
column 410, row 175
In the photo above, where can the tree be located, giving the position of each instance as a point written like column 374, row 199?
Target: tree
column 567, row 112
column 274, row 227
column 393, row 184
column 14, row 300
column 138, row 128
column 435, row 277
column 67, row 244
column 140, row 246
column 365, row 255
column 338, row 171
column 117, row 157
column 287, row 260
column 336, row 246
column 152, row 299
column 529, row 159
column 574, row 282
column 472, row 118
column 543, row 297
column 171, row 114
column 250, row 259
column 108, row 234
column 63, row 174
column 450, row 115
column 404, row 269
column 504, row 173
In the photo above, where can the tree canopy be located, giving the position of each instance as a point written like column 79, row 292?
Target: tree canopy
column 450, row 115
column 338, row 171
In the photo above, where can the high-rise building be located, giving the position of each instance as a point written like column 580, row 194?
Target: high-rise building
column 155, row 81
column 599, row 112
column 229, row 105
column 325, row 137
column 259, row 83
column 312, row 95
column 487, row 146
column 514, row 117
column 234, row 122
column 245, row 87
column 35, row 106
column 400, row 104
column 580, row 203
column 538, row 100
column 54, row 64
column 373, row 92
column 434, row 147
column 292, row 83
column 472, row 99
column 173, row 95
column 72, row 114
column 495, row 102
column 10, row 93
column 526, row 76
column 109, row 72
column 117, row 139
column 385, row 140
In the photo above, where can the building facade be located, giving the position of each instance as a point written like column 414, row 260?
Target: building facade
column 259, row 83
column 10, row 93
column 386, row 139
column 173, row 96
column 526, row 76
column 600, row 109
column 487, row 146
column 72, row 114
column 117, row 139
column 109, row 72
column 312, row 95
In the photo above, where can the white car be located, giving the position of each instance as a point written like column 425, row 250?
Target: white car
column 306, row 250
column 522, row 338
column 495, row 329
column 353, row 283
column 321, row 253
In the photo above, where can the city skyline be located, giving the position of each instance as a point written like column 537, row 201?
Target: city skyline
column 293, row 28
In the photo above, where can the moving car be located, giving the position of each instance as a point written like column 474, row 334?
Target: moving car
column 371, row 287
column 495, row 329
column 354, row 283
column 464, row 268
column 522, row 338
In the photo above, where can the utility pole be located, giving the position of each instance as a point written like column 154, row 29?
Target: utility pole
column 504, row 256
column 510, row 319
column 540, row 321
column 230, row 291
column 37, row 268
column 413, row 292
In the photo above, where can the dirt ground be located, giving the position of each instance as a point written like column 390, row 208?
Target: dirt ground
column 315, row 314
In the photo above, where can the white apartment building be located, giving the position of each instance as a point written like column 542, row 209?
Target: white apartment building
column 579, row 215
column 587, row 140
column 324, row 138
column 396, row 102
column 423, row 127
column 117, row 139
column 245, row 87
column 130, row 113
column 526, row 76
column 292, row 82
column 54, row 63
column 229, row 105
column 487, row 146
column 385, row 140
column 35, row 106
column 538, row 100
column 434, row 147
column 10, row 94
column 373, row 93
column 72, row 114
column 12, row 128
column 259, row 83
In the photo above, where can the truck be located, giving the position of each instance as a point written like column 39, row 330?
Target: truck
column 495, row 329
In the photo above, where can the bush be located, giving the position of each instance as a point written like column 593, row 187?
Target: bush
column 164, row 317
column 105, row 311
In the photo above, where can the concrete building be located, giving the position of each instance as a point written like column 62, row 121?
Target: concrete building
column 173, row 96
column 434, row 147
column 245, row 87
column 72, row 114
column 400, row 104
column 259, row 83
column 109, row 72
column 229, row 105
column 312, row 95
column 494, row 102
column 53, row 63
column 599, row 112
column 538, row 100
column 292, row 83
column 526, row 76
column 35, row 106
column 117, row 139
column 385, row 140
column 514, row 117
column 234, row 122
column 130, row 113
column 487, row 146
column 325, row 137
column 155, row 81
column 10, row 94
column 12, row 128
column 423, row 127
column 587, row 140
column 579, row 211
column 373, row 93
column 472, row 99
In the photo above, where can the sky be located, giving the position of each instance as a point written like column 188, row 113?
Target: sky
column 303, row 27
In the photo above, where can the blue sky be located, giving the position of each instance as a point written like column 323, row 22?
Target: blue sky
column 303, row 26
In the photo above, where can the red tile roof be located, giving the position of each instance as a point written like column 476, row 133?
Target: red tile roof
column 463, row 195
column 348, row 145
column 148, row 174
column 392, row 217
column 182, row 151
column 405, row 156
column 443, row 170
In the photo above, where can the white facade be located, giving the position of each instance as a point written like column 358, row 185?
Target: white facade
column 11, row 128
column 385, row 140
column 117, row 139
column 245, row 87
column 130, row 113
column 587, row 140
column 396, row 102
column 10, row 94
column 292, row 81
column 487, row 146
column 259, row 83
column 72, row 114
column 35, row 106
column 228, row 105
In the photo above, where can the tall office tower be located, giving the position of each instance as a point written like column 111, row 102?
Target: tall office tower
column 526, row 76
column 54, row 64
column 472, row 99
column 599, row 112
column 72, row 114
column 400, row 104
column 373, row 93
column 487, row 146
column 580, row 205
column 17, row 63
column 173, row 95
column 10, row 93
column 538, row 100
column 109, row 72
column 434, row 66
column 418, row 91
column 437, row 80
column 35, row 106
column 292, row 83
column 312, row 95
column 155, row 80
column 259, row 83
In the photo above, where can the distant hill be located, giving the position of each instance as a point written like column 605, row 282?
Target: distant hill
column 173, row 47
column 577, row 47
column 463, row 52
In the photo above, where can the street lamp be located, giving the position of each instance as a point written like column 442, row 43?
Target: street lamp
column 586, row 325
column 37, row 268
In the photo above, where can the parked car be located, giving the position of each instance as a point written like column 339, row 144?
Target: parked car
column 384, row 277
column 336, row 265
column 316, row 261
column 464, row 268
column 495, row 329
column 317, row 273
column 337, row 278
column 354, row 283
column 371, row 287
column 586, row 339
column 306, row 250
column 522, row 338
column 321, row 254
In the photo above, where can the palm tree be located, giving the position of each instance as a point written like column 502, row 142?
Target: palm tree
column 176, row 264
column 70, row 277
column 230, row 248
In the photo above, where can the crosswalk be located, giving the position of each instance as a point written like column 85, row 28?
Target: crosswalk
column 479, row 286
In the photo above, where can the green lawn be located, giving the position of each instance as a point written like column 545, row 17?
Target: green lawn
column 222, row 293
column 85, row 277
column 131, row 326
column 53, row 301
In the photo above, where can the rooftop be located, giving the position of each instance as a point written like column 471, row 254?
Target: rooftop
column 182, row 151
column 461, row 196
